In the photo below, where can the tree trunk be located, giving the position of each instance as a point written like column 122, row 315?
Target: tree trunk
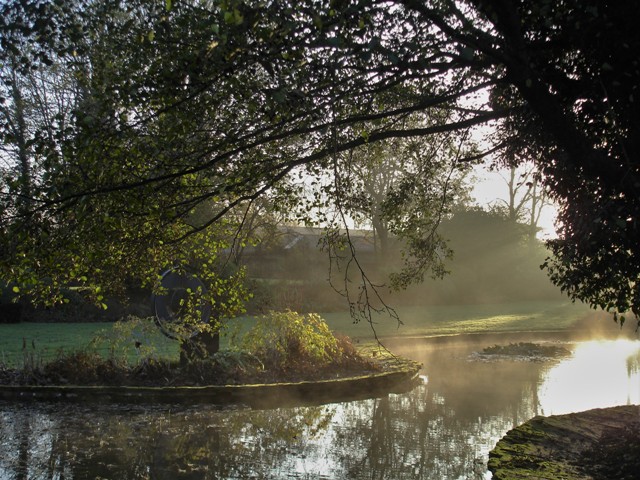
column 201, row 346
column 20, row 135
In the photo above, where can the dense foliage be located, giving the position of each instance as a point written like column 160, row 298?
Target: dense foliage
column 280, row 346
column 132, row 129
column 287, row 338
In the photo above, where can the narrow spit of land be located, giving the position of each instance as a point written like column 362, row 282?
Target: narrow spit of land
column 368, row 376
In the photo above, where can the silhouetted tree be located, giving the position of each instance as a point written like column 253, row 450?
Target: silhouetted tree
column 184, row 102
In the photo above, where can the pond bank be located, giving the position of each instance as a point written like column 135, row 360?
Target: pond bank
column 575, row 446
column 397, row 375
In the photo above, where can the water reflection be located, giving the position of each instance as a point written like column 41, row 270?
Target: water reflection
column 601, row 374
column 443, row 429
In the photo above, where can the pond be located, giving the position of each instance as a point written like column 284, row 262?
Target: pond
column 442, row 429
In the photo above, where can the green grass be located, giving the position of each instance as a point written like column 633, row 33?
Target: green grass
column 30, row 343
column 459, row 319
column 49, row 338
column 43, row 339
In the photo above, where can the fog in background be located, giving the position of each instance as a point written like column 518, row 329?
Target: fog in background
column 494, row 261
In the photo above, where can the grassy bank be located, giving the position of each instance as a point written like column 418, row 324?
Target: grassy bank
column 457, row 319
column 41, row 341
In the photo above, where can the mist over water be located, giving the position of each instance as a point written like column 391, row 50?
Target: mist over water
column 442, row 429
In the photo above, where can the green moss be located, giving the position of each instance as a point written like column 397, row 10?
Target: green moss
column 576, row 446
column 523, row 453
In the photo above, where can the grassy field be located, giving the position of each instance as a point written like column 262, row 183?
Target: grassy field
column 29, row 342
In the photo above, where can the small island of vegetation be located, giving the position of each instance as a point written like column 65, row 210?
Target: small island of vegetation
column 281, row 348
column 525, row 351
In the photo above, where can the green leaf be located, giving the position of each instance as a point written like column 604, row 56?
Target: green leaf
column 16, row 290
column 233, row 17
column 167, row 5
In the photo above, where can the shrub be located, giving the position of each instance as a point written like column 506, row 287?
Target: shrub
column 82, row 368
column 231, row 366
column 132, row 340
column 281, row 339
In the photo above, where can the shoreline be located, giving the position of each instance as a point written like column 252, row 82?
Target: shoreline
column 396, row 377
column 553, row 447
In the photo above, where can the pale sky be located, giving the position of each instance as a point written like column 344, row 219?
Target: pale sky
column 491, row 187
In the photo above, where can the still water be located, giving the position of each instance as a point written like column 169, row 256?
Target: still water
column 442, row 429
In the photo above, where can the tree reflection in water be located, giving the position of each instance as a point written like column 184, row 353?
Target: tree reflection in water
column 439, row 430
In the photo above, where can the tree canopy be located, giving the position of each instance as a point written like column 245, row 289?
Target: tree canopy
column 156, row 110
